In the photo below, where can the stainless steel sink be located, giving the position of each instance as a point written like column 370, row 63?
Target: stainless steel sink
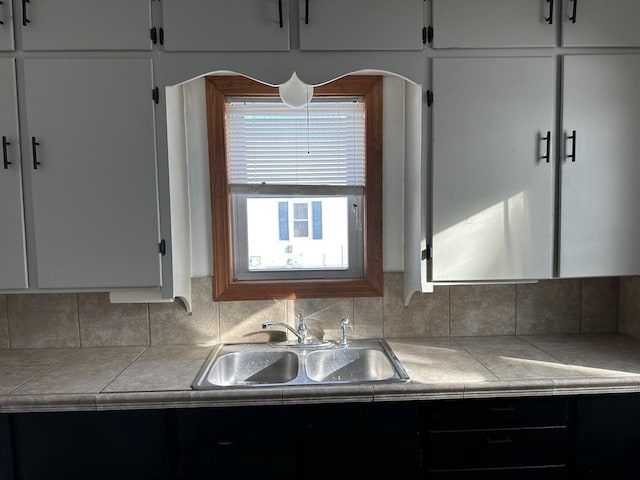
column 349, row 365
column 271, row 364
column 254, row 367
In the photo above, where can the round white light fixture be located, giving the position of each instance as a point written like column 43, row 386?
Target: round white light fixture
column 295, row 93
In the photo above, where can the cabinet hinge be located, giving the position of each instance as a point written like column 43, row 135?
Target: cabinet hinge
column 157, row 35
column 429, row 98
column 163, row 247
column 426, row 254
column 156, row 95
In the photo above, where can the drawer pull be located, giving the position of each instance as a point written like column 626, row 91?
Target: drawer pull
column 549, row 19
column 499, row 441
column 504, row 409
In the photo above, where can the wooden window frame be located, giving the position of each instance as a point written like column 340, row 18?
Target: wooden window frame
column 225, row 287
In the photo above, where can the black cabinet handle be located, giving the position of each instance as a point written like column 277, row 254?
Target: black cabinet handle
column 496, row 441
column 25, row 19
column 502, row 409
column 573, row 146
column 34, row 152
column 575, row 11
column 1, row 22
column 549, row 19
column 547, row 139
column 280, row 13
column 5, row 155
column 306, row 12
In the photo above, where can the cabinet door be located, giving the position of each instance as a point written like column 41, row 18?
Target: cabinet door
column 493, row 23
column 223, row 25
column 6, row 25
column 95, row 205
column 123, row 445
column 607, row 436
column 601, row 23
column 493, row 191
column 599, row 226
column 86, row 25
column 6, row 449
column 13, row 259
column 360, row 24
column 235, row 443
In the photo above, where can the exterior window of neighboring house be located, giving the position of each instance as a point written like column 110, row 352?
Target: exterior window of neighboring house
column 296, row 193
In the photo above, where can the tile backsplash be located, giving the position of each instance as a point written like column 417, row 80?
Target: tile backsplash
column 596, row 305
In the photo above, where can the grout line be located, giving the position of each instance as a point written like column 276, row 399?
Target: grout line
column 515, row 309
column 219, row 340
column 8, row 322
column 148, row 324
column 45, row 370
column 449, row 313
column 580, row 308
column 620, row 302
column 475, row 358
column 78, row 318
column 101, row 389
column 382, row 315
column 32, row 377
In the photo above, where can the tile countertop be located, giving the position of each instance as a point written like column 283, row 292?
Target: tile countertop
column 108, row 378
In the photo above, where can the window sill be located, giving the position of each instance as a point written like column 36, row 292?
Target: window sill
column 292, row 289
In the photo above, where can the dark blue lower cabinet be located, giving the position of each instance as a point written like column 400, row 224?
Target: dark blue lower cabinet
column 608, row 436
column 583, row 437
column 518, row 438
column 6, row 449
column 233, row 443
column 304, row 442
column 354, row 441
column 122, row 445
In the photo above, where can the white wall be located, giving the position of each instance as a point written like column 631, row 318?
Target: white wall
column 393, row 175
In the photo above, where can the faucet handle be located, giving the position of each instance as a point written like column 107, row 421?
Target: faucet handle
column 343, row 327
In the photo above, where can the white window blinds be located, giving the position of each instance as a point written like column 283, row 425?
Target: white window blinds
column 272, row 144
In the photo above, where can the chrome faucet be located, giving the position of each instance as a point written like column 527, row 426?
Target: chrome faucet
column 343, row 328
column 300, row 333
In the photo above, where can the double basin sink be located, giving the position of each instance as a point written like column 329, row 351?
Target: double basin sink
column 272, row 364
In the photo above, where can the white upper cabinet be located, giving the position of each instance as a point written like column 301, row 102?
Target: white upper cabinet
column 601, row 23
column 6, row 25
column 360, row 24
column 92, row 168
column 13, row 260
column 494, row 23
column 600, row 228
column 85, row 24
column 493, row 168
column 226, row 25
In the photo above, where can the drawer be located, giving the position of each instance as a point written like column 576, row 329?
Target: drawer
column 527, row 473
column 522, row 447
column 497, row 413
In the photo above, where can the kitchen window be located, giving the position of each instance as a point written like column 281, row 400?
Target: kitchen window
column 296, row 193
